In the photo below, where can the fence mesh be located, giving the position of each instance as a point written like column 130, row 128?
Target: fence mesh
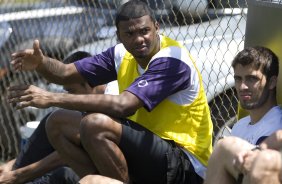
column 212, row 30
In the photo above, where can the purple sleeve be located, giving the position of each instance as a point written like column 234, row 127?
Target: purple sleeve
column 99, row 69
column 164, row 77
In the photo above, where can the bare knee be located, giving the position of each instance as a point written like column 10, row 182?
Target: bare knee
column 97, row 129
column 63, row 122
column 54, row 125
column 229, row 146
column 92, row 127
column 228, row 149
column 223, row 155
column 232, row 145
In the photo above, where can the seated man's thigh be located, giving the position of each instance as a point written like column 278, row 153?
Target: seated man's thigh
column 149, row 157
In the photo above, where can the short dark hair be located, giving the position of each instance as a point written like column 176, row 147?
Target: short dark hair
column 76, row 56
column 133, row 9
column 260, row 58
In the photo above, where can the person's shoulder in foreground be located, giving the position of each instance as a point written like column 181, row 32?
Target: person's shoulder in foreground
column 98, row 179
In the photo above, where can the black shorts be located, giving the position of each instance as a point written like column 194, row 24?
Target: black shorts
column 61, row 175
column 153, row 160
column 36, row 147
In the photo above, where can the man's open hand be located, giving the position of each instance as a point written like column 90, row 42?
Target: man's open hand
column 29, row 95
column 28, row 59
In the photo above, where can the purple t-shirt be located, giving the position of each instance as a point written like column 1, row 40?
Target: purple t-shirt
column 99, row 69
column 164, row 77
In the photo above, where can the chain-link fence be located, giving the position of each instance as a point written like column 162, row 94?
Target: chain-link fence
column 212, row 30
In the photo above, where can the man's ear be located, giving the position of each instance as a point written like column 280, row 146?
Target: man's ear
column 273, row 82
column 157, row 26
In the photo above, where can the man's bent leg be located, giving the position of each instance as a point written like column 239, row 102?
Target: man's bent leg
column 63, row 132
column 100, row 136
column 109, row 143
column 220, row 166
column 151, row 159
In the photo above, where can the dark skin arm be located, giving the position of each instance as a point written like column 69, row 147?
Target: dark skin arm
column 122, row 105
column 55, row 71
column 33, row 170
column 51, row 69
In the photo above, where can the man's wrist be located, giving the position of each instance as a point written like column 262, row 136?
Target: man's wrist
column 45, row 59
column 41, row 62
column 257, row 147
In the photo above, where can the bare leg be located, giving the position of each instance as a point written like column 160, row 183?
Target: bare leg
column 63, row 132
column 220, row 166
column 100, row 136
column 98, row 179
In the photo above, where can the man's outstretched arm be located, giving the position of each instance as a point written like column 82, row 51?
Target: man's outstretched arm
column 32, row 171
column 122, row 105
column 51, row 69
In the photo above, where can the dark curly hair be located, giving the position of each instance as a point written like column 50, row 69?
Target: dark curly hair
column 260, row 58
column 133, row 9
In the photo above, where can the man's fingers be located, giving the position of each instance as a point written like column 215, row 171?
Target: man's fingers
column 18, row 54
column 18, row 87
column 18, row 59
column 17, row 63
column 22, row 53
column 238, row 161
column 15, row 92
column 22, row 105
column 20, row 99
column 36, row 47
column 14, row 99
column 17, row 67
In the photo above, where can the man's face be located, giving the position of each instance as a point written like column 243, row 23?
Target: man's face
column 251, row 85
column 139, row 36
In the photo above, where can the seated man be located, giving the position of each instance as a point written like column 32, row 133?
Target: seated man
column 157, row 130
column 255, row 74
column 38, row 156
